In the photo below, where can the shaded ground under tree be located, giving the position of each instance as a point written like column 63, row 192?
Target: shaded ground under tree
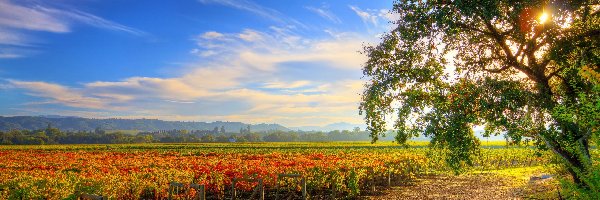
column 497, row 184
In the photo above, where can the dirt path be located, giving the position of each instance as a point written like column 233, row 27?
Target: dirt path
column 474, row 186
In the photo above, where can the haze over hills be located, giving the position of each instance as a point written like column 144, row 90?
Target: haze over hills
column 330, row 127
column 71, row 123
column 86, row 124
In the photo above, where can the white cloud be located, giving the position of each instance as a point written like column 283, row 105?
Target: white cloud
column 286, row 85
column 30, row 18
column 41, row 18
column 9, row 55
column 17, row 19
column 243, row 76
column 376, row 17
column 93, row 20
column 270, row 49
column 250, row 35
column 366, row 17
column 185, row 102
column 323, row 12
column 8, row 37
column 211, row 35
column 59, row 94
column 388, row 15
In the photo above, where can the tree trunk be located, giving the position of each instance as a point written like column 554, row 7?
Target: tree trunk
column 576, row 165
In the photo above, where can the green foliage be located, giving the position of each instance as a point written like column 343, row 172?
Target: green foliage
column 353, row 185
column 99, row 136
column 573, row 191
column 511, row 73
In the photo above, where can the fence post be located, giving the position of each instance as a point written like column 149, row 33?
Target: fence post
column 372, row 181
column 175, row 187
column 304, row 188
column 233, row 193
column 262, row 189
column 259, row 188
column 200, row 189
column 389, row 177
column 302, row 183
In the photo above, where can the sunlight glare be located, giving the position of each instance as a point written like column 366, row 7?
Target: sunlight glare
column 543, row 18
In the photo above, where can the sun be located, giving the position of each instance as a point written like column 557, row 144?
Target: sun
column 543, row 18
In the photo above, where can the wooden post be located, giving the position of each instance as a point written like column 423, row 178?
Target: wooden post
column 389, row 177
column 200, row 189
column 259, row 187
column 304, row 195
column 202, row 192
column 333, row 190
column 372, row 181
column 176, row 188
column 302, row 183
column 233, row 193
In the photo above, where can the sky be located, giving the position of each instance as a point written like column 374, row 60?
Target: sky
column 296, row 63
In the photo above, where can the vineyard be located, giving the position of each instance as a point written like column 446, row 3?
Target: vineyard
column 329, row 170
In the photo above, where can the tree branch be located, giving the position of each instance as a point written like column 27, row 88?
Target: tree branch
column 510, row 58
column 465, row 26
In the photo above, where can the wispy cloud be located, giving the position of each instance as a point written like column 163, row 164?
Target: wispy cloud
column 265, row 50
column 93, row 20
column 9, row 55
column 38, row 17
column 12, row 38
column 30, row 18
column 249, row 80
column 375, row 17
column 211, row 35
column 186, row 102
column 257, row 9
column 250, row 35
column 247, row 6
column 286, row 85
column 59, row 94
column 17, row 20
column 323, row 12
column 365, row 16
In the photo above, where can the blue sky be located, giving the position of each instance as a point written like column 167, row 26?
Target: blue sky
column 296, row 63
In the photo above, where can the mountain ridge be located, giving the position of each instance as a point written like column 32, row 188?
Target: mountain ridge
column 70, row 123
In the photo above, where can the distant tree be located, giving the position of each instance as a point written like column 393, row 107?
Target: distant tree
column 280, row 136
column 222, row 129
column 314, row 137
column 207, row 138
column 222, row 138
column 252, row 137
column 216, row 130
column 519, row 71
column 99, row 130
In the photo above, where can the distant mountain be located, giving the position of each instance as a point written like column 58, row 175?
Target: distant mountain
column 330, row 127
column 86, row 124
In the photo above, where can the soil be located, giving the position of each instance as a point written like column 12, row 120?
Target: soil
column 471, row 186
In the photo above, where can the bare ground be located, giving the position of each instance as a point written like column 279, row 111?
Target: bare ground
column 503, row 184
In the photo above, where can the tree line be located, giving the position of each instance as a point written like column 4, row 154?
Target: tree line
column 51, row 135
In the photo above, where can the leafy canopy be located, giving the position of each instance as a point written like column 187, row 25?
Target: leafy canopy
column 451, row 64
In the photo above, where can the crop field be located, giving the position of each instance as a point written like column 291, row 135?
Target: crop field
column 329, row 170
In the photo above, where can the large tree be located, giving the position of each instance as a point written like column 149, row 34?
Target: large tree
column 526, row 69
